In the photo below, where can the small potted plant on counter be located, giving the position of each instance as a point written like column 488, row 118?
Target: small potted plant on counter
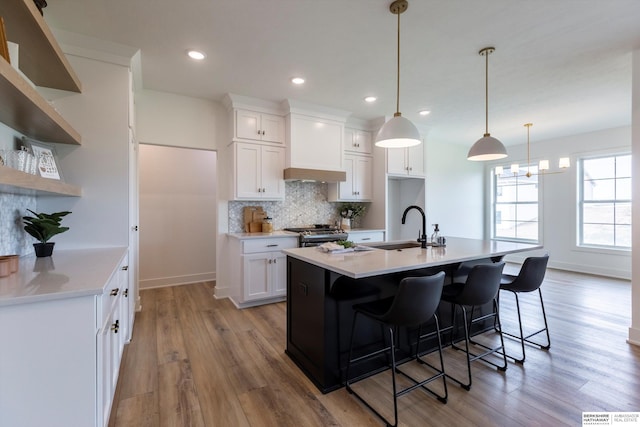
column 43, row 227
column 349, row 214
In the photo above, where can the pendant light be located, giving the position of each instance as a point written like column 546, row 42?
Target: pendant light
column 487, row 147
column 543, row 165
column 398, row 132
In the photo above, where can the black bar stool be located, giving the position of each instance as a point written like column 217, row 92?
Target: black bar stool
column 415, row 303
column 480, row 287
column 529, row 279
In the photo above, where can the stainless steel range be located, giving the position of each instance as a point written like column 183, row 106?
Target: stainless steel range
column 318, row 234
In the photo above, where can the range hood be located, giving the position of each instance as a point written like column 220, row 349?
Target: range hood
column 300, row 174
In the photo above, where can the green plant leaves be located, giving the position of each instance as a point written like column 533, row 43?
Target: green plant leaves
column 44, row 226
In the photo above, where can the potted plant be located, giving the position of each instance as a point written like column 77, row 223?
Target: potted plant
column 349, row 213
column 43, row 227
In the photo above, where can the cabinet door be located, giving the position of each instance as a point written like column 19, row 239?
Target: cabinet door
column 272, row 128
column 256, row 271
column 247, row 171
column 396, row 161
column 279, row 274
column 415, row 160
column 366, row 236
column 363, row 142
column 357, row 141
column 363, row 182
column 316, row 143
column 248, row 125
column 272, row 166
column 347, row 188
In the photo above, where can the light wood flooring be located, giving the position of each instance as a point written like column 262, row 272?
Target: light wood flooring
column 198, row 361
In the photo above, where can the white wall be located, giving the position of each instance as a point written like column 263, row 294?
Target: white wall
column 634, row 330
column 559, row 199
column 455, row 191
column 177, row 215
column 100, row 217
column 167, row 119
column 180, row 121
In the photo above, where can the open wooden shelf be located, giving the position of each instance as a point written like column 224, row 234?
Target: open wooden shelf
column 41, row 58
column 25, row 110
column 15, row 182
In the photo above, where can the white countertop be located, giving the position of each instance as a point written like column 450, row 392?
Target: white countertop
column 380, row 261
column 66, row 274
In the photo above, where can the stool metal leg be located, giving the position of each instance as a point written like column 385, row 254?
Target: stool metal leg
column 526, row 339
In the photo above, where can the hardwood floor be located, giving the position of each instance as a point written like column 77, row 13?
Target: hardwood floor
column 198, row 361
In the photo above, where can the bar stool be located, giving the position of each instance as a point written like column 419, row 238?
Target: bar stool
column 415, row 303
column 481, row 287
column 529, row 279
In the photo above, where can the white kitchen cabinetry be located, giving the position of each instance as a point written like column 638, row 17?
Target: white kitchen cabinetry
column 359, row 183
column 314, row 143
column 406, row 161
column 262, row 271
column 357, row 141
column 258, row 171
column 257, row 126
column 366, row 236
column 64, row 321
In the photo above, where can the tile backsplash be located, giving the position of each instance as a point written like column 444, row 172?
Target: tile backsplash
column 305, row 203
column 13, row 239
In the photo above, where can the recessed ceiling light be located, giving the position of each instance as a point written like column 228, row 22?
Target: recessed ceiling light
column 370, row 99
column 297, row 80
column 424, row 112
column 197, row 55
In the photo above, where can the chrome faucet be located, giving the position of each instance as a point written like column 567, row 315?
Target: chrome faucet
column 421, row 238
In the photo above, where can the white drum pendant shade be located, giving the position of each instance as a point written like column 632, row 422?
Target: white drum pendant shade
column 487, row 148
column 398, row 132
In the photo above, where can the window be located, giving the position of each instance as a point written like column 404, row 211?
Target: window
column 515, row 205
column 605, row 202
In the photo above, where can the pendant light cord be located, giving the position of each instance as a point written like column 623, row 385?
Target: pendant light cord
column 398, row 72
column 486, row 95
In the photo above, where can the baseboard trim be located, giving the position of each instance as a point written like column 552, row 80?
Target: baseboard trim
column 177, row 280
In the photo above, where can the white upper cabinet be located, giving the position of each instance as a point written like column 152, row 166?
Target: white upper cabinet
column 255, row 126
column 406, row 161
column 359, row 183
column 258, row 172
column 357, row 141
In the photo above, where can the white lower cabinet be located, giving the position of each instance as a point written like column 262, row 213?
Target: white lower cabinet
column 261, row 270
column 264, row 275
column 60, row 352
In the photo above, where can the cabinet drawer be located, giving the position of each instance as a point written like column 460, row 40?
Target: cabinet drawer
column 366, row 236
column 269, row 244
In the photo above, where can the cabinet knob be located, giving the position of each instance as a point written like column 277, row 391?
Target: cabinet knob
column 270, row 261
column 126, row 293
column 274, row 261
column 115, row 326
column 114, row 292
column 264, row 133
column 410, row 168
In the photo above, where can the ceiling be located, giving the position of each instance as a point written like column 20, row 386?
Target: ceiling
column 563, row 65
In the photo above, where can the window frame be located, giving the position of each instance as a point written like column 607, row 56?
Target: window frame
column 494, row 203
column 579, row 241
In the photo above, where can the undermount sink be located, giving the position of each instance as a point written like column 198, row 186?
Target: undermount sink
column 392, row 246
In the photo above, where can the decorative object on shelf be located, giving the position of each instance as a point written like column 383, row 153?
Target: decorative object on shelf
column 43, row 227
column 45, row 157
column 350, row 214
column 399, row 131
column 563, row 163
column 487, row 147
column 4, row 46
column 9, row 264
column 40, row 4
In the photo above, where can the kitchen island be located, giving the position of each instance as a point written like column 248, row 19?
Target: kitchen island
column 322, row 288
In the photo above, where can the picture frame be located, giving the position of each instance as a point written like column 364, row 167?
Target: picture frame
column 4, row 47
column 47, row 165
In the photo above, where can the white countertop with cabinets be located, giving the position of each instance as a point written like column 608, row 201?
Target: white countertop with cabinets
column 66, row 274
